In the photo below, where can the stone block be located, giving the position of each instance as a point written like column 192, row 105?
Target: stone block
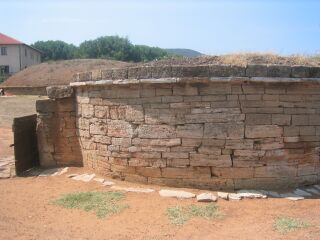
column 175, row 155
column 119, row 128
column 101, row 111
column 156, row 131
column 255, row 70
column 300, row 71
column 224, row 131
column 314, row 72
column 46, row 106
column 275, row 171
column 279, row 71
column 239, row 144
column 197, row 159
column 119, row 73
column 234, row 173
column 263, row 131
column 190, row 131
column 55, row 92
column 258, row 119
column 186, row 173
column 281, row 119
column 299, row 120
column 161, row 72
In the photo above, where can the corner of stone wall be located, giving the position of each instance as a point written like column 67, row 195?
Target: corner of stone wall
column 58, row 143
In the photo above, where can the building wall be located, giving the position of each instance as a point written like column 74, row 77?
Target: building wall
column 31, row 58
column 12, row 59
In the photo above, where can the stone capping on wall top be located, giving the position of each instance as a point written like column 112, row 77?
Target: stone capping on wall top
column 200, row 71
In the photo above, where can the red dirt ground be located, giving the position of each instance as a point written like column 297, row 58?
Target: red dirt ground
column 26, row 213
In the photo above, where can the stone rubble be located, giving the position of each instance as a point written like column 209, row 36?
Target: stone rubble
column 206, row 197
column 176, row 194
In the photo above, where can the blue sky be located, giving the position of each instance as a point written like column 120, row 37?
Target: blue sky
column 211, row 27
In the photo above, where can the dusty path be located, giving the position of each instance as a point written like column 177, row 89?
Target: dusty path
column 26, row 213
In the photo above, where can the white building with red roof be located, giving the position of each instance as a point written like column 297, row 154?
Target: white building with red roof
column 16, row 55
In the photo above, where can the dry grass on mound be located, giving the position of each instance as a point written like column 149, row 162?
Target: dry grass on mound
column 58, row 72
column 243, row 59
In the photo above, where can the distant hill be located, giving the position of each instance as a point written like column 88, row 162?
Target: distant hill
column 184, row 52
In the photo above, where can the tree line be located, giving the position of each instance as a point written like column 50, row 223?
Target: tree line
column 107, row 47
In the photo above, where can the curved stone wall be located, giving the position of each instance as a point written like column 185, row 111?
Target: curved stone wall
column 210, row 126
column 218, row 133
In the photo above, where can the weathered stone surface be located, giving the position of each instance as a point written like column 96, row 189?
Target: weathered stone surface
column 175, row 194
column 59, row 92
column 108, row 183
column 84, row 177
column 156, row 131
column 235, row 197
column 251, row 194
column 223, row 131
column 302, row 193
column 131, row 189
column 100, row 180
column 223, row 195
column 206, row 197
column 263, row 131
column 190, row 131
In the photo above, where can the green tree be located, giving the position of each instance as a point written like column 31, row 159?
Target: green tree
column 55, row 50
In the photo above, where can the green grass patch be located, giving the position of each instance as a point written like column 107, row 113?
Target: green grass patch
column 179, row 215
column 102, row 203
column 286, row 224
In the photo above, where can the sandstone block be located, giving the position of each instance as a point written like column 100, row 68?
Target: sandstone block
column 156, row 131
column 255, row 70
column 258, row 119
column 223, row 131
column 190, row 131
column 197, row 159
column 119, row 128
column 263, row 131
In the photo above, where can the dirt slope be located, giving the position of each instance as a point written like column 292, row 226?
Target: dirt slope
column 58, row 72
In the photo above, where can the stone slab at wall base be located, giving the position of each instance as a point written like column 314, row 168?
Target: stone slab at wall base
column 189, row 133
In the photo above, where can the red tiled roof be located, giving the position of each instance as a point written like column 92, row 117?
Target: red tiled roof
column 4, row 39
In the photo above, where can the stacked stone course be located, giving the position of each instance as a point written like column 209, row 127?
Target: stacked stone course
column 195, row 131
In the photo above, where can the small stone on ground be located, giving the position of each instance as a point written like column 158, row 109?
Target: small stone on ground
column 251, row 194
column 235, row 196
column 223, row 195
column 176, row 194
column 84, row 177
column 63, row 171
column 100, row 180
column 107, row 183
column 291, row 196
column 206, row 197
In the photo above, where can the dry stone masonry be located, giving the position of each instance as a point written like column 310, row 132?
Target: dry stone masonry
column 212, row 127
